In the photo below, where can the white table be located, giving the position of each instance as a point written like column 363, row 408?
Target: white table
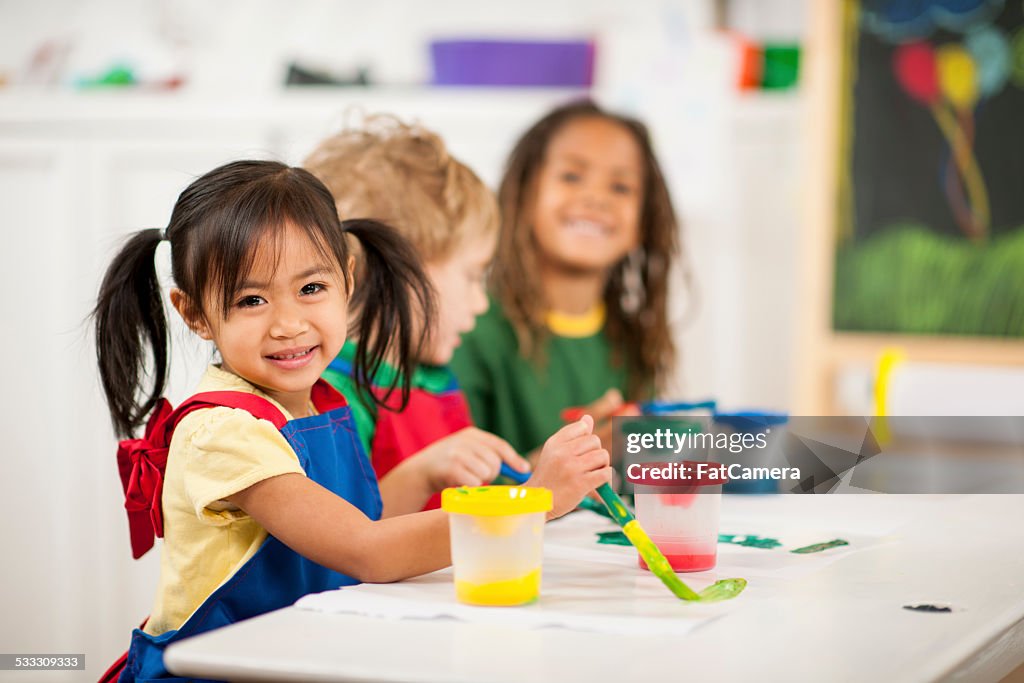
column 844, row 621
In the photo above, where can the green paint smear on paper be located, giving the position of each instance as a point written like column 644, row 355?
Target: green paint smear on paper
column 612, row 538
column 749, row 541
column 594, row 506
column 818, row 547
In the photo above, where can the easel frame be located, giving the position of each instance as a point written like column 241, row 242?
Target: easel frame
column 821, row 351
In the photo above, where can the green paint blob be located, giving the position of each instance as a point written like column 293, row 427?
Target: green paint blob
column 726, row 589
column 612, row 538
column 818, row 547
column 749, row 541
column 594, row 506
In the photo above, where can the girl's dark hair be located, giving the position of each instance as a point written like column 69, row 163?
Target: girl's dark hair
column 215, row 228
column 640, row 338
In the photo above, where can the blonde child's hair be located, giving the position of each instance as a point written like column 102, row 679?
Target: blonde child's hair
column 403, row 175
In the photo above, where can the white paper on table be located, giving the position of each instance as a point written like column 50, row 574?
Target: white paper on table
column 615, row 598
column 589, row 586
column 781, row 563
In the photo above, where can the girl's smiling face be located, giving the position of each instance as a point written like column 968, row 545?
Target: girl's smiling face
column 286, row 322
column 586, row 211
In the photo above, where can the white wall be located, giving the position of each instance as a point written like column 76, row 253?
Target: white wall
column 80, row 171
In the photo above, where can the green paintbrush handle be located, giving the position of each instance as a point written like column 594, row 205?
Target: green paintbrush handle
column 616, row 508
column 654, row 558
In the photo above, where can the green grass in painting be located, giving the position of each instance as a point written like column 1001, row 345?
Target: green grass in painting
column 908, row 279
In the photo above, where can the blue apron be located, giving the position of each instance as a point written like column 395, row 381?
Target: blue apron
column 276, row 576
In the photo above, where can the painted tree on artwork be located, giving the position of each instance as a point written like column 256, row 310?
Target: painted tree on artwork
column 931, row 216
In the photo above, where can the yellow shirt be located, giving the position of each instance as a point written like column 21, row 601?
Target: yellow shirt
column 214, row 453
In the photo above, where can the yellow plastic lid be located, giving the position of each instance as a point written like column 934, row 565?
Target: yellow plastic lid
column 492, row 501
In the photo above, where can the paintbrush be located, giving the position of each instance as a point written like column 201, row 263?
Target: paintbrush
column 514, row 475
column 725, row 589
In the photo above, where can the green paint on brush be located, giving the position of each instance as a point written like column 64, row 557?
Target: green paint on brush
column 725, row 589
column 647, row 549
column 818, row 547
column 656, row 561
column 616, row 508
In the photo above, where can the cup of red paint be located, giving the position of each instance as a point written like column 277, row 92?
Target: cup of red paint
column 678, row 504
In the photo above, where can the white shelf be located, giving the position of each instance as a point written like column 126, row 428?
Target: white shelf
column 111, row 106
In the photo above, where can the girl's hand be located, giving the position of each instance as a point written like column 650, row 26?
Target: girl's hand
column 469, row 457
column 571, row 464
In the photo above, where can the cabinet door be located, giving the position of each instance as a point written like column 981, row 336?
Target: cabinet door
column 66, row 206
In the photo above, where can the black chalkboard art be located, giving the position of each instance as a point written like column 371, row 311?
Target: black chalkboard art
column 931, row 198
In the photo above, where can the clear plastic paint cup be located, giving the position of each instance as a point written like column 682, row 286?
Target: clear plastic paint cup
column 681, row 517
column 497, row 535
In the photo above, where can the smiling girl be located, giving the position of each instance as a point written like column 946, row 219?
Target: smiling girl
column 580, row 282
column 264, row 493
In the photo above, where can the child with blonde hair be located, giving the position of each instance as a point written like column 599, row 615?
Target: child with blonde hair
column 404, row 175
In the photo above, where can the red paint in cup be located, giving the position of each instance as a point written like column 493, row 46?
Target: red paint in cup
column 678, row 506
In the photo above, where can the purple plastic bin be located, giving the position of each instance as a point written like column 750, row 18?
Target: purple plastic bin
column 507, row 62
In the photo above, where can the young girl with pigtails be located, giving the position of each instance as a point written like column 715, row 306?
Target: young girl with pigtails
column 257, row 482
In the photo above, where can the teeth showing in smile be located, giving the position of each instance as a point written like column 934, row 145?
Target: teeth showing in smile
column 292, row 355
column 588, row 227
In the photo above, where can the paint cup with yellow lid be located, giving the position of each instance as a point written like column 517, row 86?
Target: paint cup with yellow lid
column 497, row 537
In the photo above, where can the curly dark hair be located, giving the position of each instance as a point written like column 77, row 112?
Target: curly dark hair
column 639, row 338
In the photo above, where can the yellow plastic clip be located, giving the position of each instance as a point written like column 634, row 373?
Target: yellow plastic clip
column 889, row 359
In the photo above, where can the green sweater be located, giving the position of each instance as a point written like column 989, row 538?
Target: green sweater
column 519, row 400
